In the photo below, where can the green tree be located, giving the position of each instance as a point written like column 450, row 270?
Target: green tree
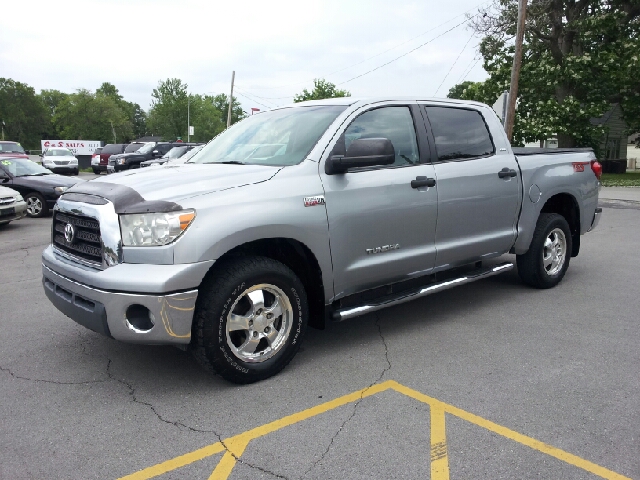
column 92, row 116
column 51, row 99
column 321, row 89
column 168, row 113
column 24, row 115
column 137, row 117
column 221, row 103
column 470, row 91
column 579, row 57
column 206, row 118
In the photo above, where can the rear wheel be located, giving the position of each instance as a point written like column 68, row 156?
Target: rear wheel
column 36, row 205
column 96, row 171
column 547, row 260
column 250, row 318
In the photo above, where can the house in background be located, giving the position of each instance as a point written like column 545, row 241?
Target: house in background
column 613, row 151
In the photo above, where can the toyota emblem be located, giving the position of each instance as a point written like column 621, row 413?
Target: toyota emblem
column 69, row 233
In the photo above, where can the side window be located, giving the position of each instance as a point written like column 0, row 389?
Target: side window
column 459, row 133
column 393, row 123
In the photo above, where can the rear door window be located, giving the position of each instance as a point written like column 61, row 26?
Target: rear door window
column 459, row 133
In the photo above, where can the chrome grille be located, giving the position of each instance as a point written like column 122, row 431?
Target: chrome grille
column 86, row 243
column 61, row 162
column 7, row 200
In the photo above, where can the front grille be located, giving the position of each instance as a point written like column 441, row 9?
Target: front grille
column 7, row 200
column 86, row 242
column 61, row 162
column 112, row 161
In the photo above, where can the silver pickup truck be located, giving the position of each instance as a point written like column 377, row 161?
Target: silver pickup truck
column 315, row 212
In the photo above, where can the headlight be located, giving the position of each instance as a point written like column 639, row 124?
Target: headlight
column 18, row 198
column 121, row 161
column 73, row 161
column 152, row 229
column 60, row 190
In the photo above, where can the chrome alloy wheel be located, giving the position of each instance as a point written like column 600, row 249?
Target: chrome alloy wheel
column 259, row 323
column 34, row 206
column 554, row 253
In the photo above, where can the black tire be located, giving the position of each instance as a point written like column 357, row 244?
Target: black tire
column 531, row 265
column 96, row 171
column 224, row 291
column 36, row 205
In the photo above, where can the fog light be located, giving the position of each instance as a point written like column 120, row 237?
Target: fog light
column 139, row 318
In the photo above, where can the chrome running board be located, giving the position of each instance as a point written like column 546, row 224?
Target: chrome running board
column 407, row 296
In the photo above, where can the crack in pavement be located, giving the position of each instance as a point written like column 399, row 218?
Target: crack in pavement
column 357, row 403
column 177, row 424
column 39, row 380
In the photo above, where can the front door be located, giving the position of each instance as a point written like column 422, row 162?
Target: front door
column 382, row 229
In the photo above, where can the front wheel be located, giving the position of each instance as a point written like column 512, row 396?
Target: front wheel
column 36, row 205
column 250, row 318
column 547, row 260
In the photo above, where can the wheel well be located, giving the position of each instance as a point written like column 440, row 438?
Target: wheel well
column 566, row 205
column 298, row 258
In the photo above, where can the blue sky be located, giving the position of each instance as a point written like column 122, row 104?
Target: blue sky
column 276, row 48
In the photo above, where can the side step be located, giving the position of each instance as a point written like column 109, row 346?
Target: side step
column 407, row 296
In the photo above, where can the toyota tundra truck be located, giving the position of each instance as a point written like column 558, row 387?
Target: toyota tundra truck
column 320, row 211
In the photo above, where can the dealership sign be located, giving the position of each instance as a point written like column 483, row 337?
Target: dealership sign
column 78, row 147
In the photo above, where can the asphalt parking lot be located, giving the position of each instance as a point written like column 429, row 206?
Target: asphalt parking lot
column 488, row 380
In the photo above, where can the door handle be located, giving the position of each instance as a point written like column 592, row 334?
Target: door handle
column 507, row 172
column 423, row 182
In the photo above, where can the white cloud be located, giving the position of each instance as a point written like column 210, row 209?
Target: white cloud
column 276, row 47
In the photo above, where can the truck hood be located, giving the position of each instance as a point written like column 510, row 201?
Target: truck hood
column 173, row 183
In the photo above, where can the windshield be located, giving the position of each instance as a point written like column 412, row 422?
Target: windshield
column 133, row 147
column 175, row 152
column 58, row 153
column 11, row 147
column 279, row 138
column 21, row 167
column 148, row 148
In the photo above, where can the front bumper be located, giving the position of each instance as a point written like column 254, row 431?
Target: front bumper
column 97, row 299
column 62, row 168
column 14, row 211
column 596, row 219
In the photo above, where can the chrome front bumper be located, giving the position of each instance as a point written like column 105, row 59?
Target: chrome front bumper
column 19, row 211
column 596, row 219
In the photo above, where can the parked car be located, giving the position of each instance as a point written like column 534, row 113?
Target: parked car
column 38, row 186
column 174, row 156
column 60, row 160
column 12, row 149
column 322, row 210
column 105, row 154
column 12, row 205
column 95, row 160
column 131, row 148
column 133, row 160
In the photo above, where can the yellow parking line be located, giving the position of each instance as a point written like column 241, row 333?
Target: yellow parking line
column 512, row 435
column 439, row 459
column 177, row 462
column 237, row 444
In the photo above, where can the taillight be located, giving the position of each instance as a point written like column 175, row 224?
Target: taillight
column 597, row 168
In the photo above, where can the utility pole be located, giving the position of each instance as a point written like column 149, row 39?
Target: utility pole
column 515, row 69
column 188, row 118
column 233, row 77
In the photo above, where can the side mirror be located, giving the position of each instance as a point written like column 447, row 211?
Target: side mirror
column 156, row 153
column 27, row 152
column 363, row 152
column 4, row 176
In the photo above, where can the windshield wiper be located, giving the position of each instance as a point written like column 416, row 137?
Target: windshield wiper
column 33, row 174
column 228, row 162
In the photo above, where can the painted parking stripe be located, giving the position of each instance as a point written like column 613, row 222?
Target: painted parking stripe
column 236, row 445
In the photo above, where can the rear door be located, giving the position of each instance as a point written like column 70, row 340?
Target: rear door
column 382, row 229
column 478, row 188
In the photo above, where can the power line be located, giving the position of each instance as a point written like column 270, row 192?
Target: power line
column 252, row 99
column 405, row 54
column 376, row 55
column 453, row 65
column 469, row 71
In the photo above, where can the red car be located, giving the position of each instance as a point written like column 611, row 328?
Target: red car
column 100, row 159
column 12, row 149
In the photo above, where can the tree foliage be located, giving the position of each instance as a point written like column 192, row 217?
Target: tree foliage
column 470, row 91
column 321, row 89
column 24, row 114
column 579, row 57
column 208, row 114
column 92, row 116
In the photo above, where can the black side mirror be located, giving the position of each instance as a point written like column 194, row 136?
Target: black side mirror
column 4, row 176
column 363, row 152
column 156, row 153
